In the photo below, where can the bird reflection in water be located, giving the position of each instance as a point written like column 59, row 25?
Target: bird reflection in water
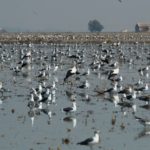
column 71, row 119
column 144, row 133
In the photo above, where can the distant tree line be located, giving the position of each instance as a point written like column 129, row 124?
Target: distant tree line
column 95, row 26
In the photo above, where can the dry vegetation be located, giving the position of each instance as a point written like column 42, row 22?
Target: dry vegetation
column 74, row 37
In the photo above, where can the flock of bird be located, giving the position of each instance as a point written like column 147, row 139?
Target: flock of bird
column 82, row 73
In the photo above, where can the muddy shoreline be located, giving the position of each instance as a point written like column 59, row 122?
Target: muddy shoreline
column 69, row 37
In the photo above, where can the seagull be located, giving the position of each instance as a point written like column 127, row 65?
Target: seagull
column 71, row 72
column 71, row 109
column 91, row 141
column 145, row 98
column 70, row 95
column 28, row 54
column 145, row 122
column 117, row 79
column 145, row 88
column 47, row 112
column 113, row 72
column 114, row 64
column 86, row 73
column 39, row 88
column 16, row 70
column 132, row 96
column 142, row 71
column 42, row 74
column 31, row 103
column 109, row 90
column 126, row 90
column 115, row 99
column 84, row 85
column 126, row 104
column 1, row 87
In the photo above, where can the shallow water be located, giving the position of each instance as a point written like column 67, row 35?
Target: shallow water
column 17, row 132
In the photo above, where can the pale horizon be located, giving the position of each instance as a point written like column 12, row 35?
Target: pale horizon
column 72, row 16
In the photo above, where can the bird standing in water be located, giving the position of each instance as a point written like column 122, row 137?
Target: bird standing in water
column 71, row 72
column 71, row 109
column 91, row 141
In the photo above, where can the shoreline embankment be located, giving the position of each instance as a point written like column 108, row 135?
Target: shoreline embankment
column 71, row 37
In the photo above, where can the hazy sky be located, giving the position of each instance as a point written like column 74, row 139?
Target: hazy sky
column 72, row 15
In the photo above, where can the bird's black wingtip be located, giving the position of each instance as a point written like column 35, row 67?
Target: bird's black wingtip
column 80, row 143
column 77, row 72
column 65, row 79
